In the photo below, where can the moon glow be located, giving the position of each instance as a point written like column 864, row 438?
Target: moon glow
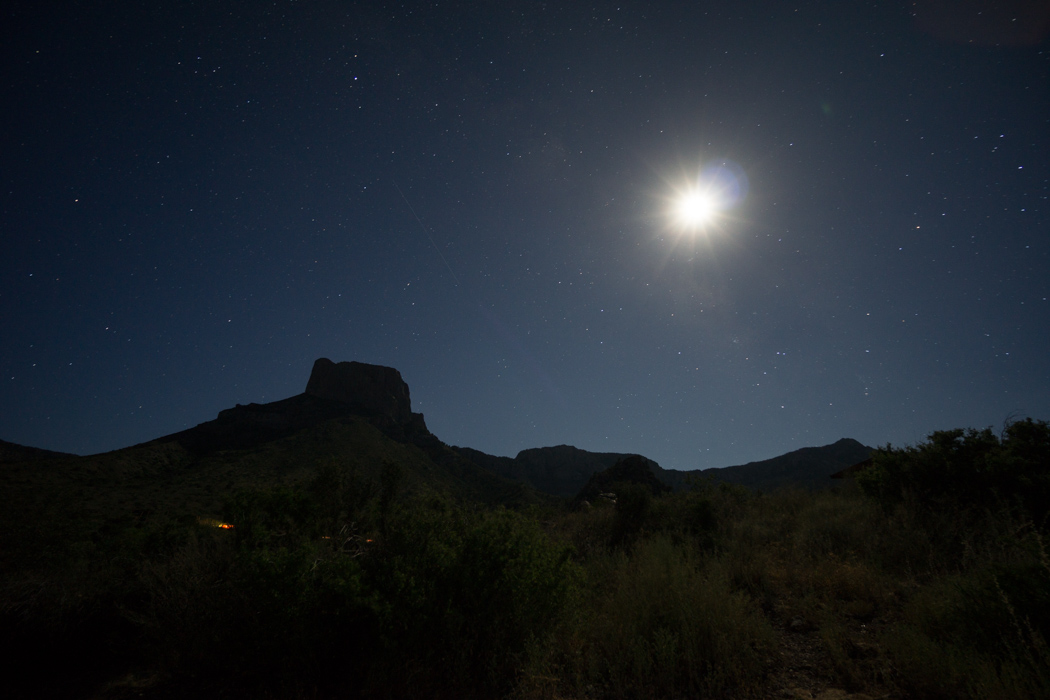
column 695, row 209
column 701, row 204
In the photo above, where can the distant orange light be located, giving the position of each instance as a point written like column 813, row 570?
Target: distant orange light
column 212, row 522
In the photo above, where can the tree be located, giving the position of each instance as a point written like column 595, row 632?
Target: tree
column 967, row 469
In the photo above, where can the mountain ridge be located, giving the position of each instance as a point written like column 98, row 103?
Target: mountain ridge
column 563, row 470
column 350, row 393
column 806, row 467
column 560, row 470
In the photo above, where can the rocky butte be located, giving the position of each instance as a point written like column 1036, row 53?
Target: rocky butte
column 334, row 389
column 367, row 388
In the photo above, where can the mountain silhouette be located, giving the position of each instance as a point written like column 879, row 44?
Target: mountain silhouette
column 564, row 470
column 351, row 414
column 808, row 468
column 348, row 388
column 560, row 471
column 10, row 452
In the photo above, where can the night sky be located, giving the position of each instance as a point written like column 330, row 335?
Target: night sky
column 201, row 198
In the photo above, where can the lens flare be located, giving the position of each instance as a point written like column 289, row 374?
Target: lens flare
column 702, row 202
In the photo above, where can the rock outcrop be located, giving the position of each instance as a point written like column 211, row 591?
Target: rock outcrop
column 364, row 387
column 373, row 392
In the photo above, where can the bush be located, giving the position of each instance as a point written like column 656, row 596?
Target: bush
column 660, row 623
column 465, row 595
column 982, row 634
column 932, row 582
column 967, row 470
column 438, row 599
column 633, row 504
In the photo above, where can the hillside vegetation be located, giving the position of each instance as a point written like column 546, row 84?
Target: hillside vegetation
column 928, row 577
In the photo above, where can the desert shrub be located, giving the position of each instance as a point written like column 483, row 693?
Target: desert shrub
column 340, row 495
column 633, row 505
column 189, row 601
column 71, row 621
column 854, row 660
column 261, row 517
column 981, row 634
column 438, row 599
column 687, row 515
column 465, row 595
column 836, row 524
column 967, row 471
column 587, row 531
column 987, row 611
column 660, row 623
column 980, row 630
column 80, row 604
column 253, row 616
column 699, row 515
column 351, row 587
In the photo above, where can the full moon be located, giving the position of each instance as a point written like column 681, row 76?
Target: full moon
column 700, row 205
column 694, row 209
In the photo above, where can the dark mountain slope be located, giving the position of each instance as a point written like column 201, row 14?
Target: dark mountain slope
column 284, row 443
column 809, row 467
column 11, row 452
column 164, row 479
column 564, row 470
column 561, row 471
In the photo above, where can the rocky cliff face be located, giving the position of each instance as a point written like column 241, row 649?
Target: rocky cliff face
column 369, row 388
column 334, row 390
